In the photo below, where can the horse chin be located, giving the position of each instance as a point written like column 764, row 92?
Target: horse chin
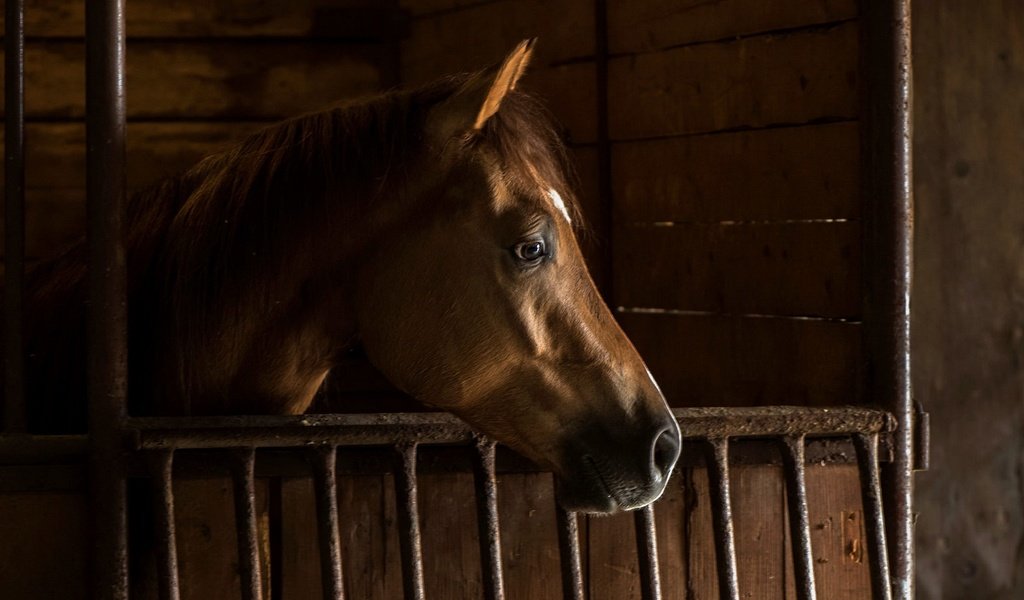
column 586, row 495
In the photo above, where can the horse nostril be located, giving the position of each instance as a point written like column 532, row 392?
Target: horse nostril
column 665, row 451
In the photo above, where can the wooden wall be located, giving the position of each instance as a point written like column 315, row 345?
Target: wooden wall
column 200, row 76
column 718, row 151
column 968, row 305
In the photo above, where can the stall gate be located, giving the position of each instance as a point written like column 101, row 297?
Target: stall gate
column 883, row 434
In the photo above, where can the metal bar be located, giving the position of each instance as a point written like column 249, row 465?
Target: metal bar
column 106, row 311
column 799, row 521
column 324, row 461
column 888, row 244
column 244, row 479
column 14, row 214
column 388, row 429
column 487, row 519
column 647, row 553
column 871, row 494
column 569, row 548
column 721, row 516
column 161, row 463
column 409, row 522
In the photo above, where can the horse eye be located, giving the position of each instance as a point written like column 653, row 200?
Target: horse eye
column 531, row 251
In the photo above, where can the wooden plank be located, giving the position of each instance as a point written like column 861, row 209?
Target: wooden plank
column 755, row 82
column 810, row 172
column 653, row 24
column 759, row 519
column 422, row 8
column 614, row 570
column 748, row 361
column 480, row 35
column 794, row 268
column 207, row 542
column 701, row 565
column 209, row 79
column 670, row 519
column 570, row 92
column 529, row 539
column 299, row 555
column 213, row 18
column 451, row 550
column 369, row 537
column 841, row 565
column 44, row 545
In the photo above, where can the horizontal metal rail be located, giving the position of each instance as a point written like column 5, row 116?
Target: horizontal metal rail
column 442, row 428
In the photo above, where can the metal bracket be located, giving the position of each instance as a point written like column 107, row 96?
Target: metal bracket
column 922, row 438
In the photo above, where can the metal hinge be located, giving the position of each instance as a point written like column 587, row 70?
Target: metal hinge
column 922, row 438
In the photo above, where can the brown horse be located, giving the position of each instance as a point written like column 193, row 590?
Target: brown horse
column 435, row 228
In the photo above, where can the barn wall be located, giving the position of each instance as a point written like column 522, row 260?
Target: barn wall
column 718, row 151
column 968, row 308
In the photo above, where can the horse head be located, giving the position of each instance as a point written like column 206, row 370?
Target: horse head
column 483, row 306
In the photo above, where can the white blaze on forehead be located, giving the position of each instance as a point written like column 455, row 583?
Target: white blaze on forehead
column 556, row 199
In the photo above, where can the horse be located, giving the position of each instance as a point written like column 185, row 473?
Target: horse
column 433, row 227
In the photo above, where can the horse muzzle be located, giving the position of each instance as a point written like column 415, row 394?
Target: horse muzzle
column 608, row 471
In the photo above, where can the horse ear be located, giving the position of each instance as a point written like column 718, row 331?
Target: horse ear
column 480, row 98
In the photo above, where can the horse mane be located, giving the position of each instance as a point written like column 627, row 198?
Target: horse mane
column 210, row 244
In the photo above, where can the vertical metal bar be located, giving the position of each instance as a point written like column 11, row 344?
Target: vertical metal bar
column 647, row 552
column 244, row 479
column 14, row 214
column 161, row 464
column 409, row 522
column 888, row 243
column 326, row 488
column 871, row 493
column 799, row 521
column 569, row 547
column 721, row 516
column 487, row 519
column 107, row 311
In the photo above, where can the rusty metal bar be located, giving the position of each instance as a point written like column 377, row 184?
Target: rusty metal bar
column 106, row 310
column 799, row 521
column 398, row 428
column 14, row 215
column 888, row 244
column 324, row 460
column 871, row 494
column 647, row 553
column 409, row 522
column 243, row 463
column 721, row 516
column 569, row 548
column 161, row 464
column 487, row 518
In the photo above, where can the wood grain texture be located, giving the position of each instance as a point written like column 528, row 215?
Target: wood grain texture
column 299, row 560
column 209, row 79
column 794, row 78
column 838, row 538
column 794, row 269
column 810, row 172
column 670, row 514
column 758, row 512
column 421, row 8
column 451, row 550
column 707, row 360
column 211, row 18
column 44, row 545
column 529, row 538
column 614, row 573
column 482, row 34
column 652, row 24
column 701, row 557
column 369, row 536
